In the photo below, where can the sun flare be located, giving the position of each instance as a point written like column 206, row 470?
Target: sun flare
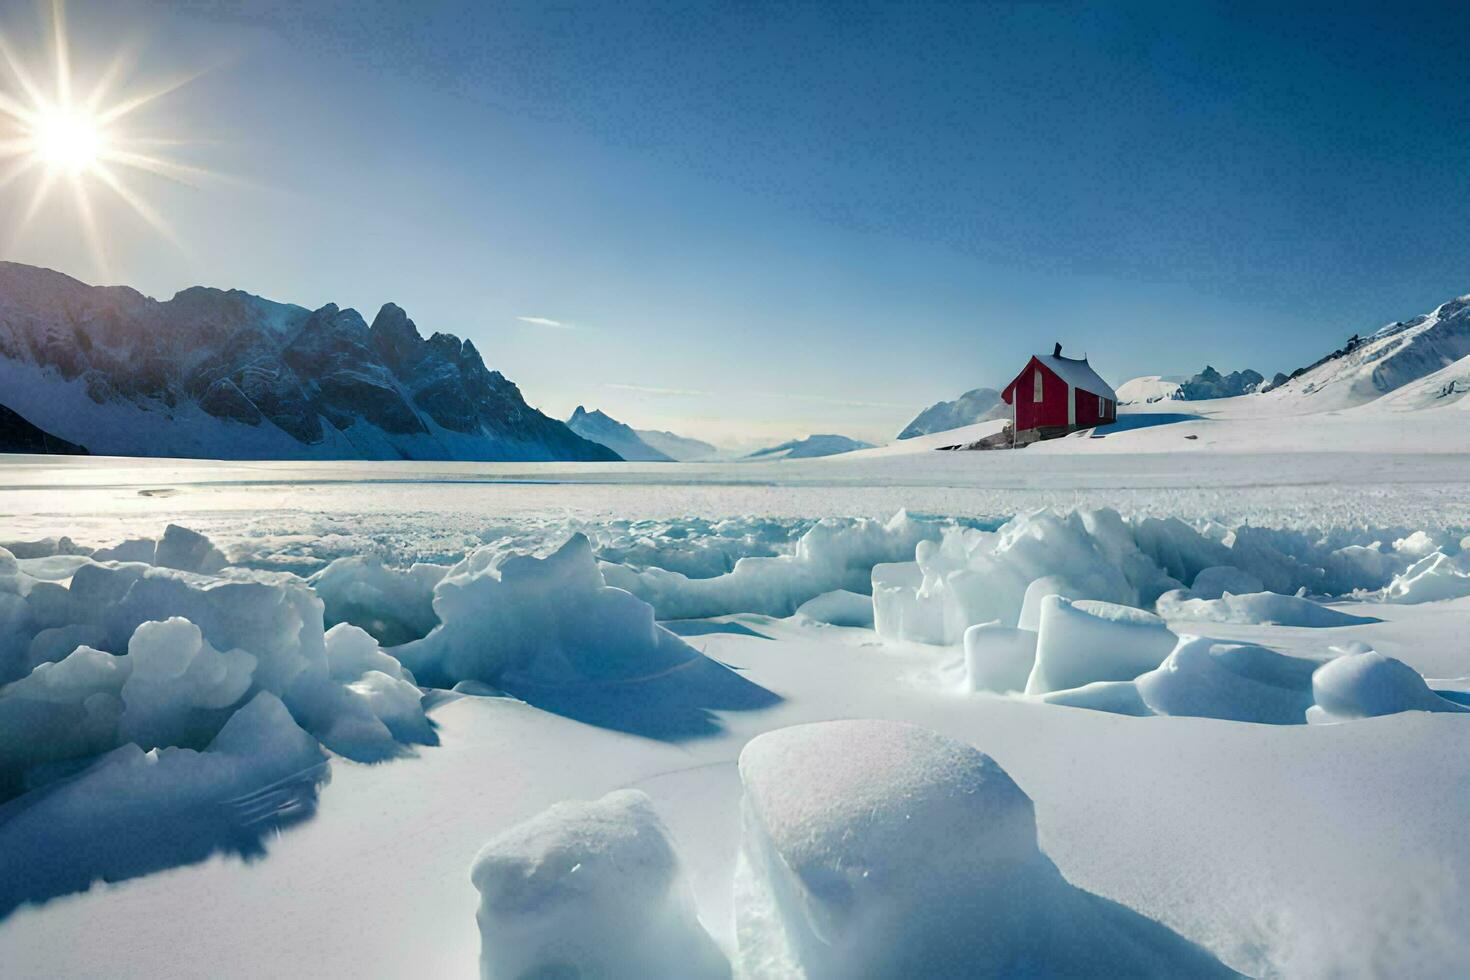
column 57, row 136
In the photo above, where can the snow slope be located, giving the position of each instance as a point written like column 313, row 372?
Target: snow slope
column 1149, row 388
column 620, row 438
column 1388, row 359
column 682, row 448
column 810, row 448
column 977, row 405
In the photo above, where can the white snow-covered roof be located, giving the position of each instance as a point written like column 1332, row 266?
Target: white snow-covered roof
column 1078, row 373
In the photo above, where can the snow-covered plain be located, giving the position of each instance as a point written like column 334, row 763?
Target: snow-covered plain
column 1268, row 782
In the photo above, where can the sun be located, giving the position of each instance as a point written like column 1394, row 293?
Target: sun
column 57, row 136
column 68, row 140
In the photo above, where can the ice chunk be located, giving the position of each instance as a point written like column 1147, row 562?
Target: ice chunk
column 510, row 617
column 590, row 890
column 352, row 652
column 998, row 658
column 839, row 608
column 1256, row 609
column 880, row 849
column 51, row 645
column 1030, row 618
column 175, row 679
column 1215, row 581
column 971, row 576
column 143, row 550
column 1430, row 579
column 43, row 548
column 188, row 551
column 1416, row 545
column 901, row 609
column 394, row 605
column 1206, row 678
column 1086, row 641
column 1363, row 683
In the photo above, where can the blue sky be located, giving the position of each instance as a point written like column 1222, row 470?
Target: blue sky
column 757, row 221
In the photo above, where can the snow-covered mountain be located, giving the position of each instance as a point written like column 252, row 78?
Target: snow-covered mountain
column 976, row 405
column 226, row 374
column 810, row 448
column 1210, row 383
column 1365, row 369
column 682, row 448
column 617, row 436
column 1203, row 386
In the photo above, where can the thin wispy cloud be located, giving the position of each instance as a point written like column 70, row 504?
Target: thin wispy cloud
column 790, row 396
column 651, row 390
column 544, row 321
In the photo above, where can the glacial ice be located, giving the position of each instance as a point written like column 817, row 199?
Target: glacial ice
column 590, row 889
column 881, row 849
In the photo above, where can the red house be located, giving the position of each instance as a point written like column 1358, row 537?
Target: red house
column 1054, row 395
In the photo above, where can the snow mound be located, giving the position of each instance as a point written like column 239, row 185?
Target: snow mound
column 880, row 849
column 590, row 889
column 1086, row 641
column 1114, row 697
column 1363, row 683
column 998, row 658
column 1205, row 678
column 511, row 619
column 839, row 607
column 1256, row 609
column 394, row 605
column 1435, row 577
column 832, row 554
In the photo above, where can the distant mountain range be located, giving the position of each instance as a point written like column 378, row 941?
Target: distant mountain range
column 226, row 374
column 1425, row 356
column 646, row 445
column 810, row 448
column 1208, row 384
column 976, row 405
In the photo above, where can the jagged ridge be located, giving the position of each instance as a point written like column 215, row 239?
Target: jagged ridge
column 226, row 373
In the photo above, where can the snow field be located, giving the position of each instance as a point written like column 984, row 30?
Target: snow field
column 125, row 677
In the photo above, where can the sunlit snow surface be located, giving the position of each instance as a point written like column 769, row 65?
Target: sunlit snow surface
column 1283, row 816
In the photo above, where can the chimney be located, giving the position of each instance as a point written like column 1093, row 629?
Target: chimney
column 1057, row 351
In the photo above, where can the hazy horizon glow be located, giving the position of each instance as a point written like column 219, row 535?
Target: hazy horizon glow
column 748, row 223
